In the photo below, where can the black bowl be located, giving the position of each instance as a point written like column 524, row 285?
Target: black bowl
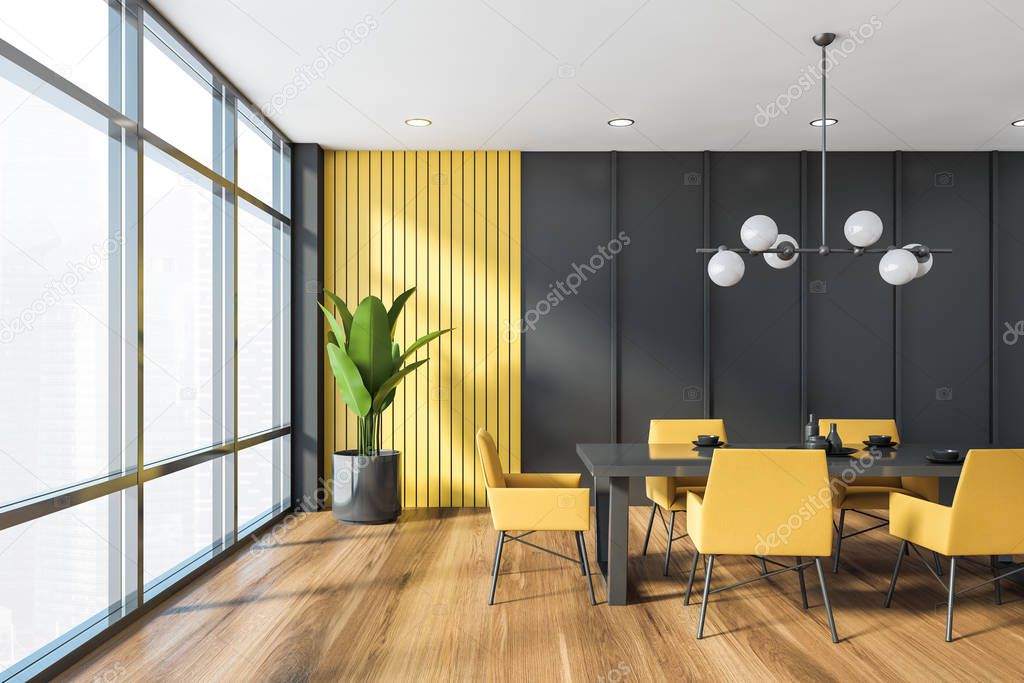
column 707, row 439
column 880, row 439
column 946, row 454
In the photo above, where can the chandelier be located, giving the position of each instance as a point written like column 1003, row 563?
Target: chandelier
column 761, row 237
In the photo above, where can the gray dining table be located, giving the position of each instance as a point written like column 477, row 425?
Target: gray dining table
column 612, row 465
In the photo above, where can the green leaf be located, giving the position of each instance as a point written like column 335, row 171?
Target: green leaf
column 369, row 343
column 385, row 389
column 422, row 341
column 346, row 317
column 388, row 400
column 396, row 308
column 335, row 335
column 396, row 353
column 350, row 383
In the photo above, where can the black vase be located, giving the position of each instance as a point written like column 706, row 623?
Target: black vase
column 365, row 487
column 835, row 444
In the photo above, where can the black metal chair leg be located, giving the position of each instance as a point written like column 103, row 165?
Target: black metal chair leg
column 497, row 565
column 693, row 572
column 895, row 573
column 650, row 523
column 938, row 565
column 668, row 547
column 839, row 540
column 828, row 603
column 581, row 545
column 707, row 593
column 952, row 592
column 803, row 585
column 995, row 572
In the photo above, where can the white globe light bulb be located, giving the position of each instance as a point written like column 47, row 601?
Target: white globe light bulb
column 898, row 267
column 759, row 232
column 726, row 268
column 922, row 266
column 863, row 228
column 775, row 260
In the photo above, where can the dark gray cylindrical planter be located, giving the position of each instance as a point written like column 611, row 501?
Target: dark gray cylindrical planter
column 365, row 487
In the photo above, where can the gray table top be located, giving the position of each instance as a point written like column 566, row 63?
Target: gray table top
column 685, row 460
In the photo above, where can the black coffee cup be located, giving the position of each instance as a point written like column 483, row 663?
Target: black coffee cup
column 945, row 454
column 880, row 439
column 707, row 439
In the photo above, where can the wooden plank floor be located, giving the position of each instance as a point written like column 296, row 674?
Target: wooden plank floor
column 322, row 602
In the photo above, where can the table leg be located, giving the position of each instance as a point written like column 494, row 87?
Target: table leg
column 611, row 500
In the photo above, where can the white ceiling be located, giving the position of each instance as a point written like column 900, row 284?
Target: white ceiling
column 548, row 74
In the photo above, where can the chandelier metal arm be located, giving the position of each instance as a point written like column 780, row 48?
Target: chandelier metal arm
column 920, row 252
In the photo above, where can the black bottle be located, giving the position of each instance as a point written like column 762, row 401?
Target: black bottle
column 835, row 444
column 811, row 430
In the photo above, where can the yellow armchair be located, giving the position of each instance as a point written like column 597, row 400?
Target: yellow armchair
column 533, row 502
column 871, row 493
column 763, row 502
column 984, row 519
column 669, row 493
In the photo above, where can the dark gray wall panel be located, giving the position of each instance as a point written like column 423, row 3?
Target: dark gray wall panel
column 755, row 326
column 945, row 316
column 661, row 308
column 1010, row 346
column 849, row 361
column 566, row 362
column 307, row 326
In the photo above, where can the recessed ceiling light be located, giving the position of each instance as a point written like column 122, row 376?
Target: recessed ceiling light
column 1019, row 123
column 828, row 122
column 621, row 123
column 418, row 123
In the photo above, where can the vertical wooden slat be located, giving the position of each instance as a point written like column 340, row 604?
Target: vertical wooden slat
column 372, row 245
column 422, row 296
column 442, row 349
column 501, row 380
column 409, row 327
column 351, row 295
column 330, row 391
column 384, row 267
column 492, row 324
column 398, row 276
column 469, row 327
column 480, row 305
column 455, row 336
column 515, row 312
column 430, row 278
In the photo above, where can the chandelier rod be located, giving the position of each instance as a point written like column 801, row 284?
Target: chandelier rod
column 824, row 128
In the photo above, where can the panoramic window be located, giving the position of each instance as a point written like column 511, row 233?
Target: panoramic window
column 144, row 320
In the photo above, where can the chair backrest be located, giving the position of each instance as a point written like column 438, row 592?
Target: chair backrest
column 770, row 502
column 856, row 431
column 489, row 460
column 988, row 506
column 684, row 431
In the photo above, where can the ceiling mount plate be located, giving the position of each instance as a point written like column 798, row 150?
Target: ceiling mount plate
column 824, row 39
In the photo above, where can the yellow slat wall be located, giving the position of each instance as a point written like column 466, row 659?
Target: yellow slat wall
column 448, row 223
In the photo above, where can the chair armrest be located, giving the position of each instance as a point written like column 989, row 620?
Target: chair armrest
column 540, row 509
column 542, row 480
column 921, row 522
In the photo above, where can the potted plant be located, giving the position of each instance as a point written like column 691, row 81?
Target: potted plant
column 368, row 366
